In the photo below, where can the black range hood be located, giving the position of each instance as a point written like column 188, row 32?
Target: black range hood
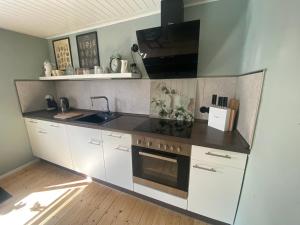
column 171, row 50
column 171, row 12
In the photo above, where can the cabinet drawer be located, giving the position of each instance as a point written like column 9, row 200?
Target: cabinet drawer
column 51, row 127
column 233, row 159
column 31, row 121
column 43, row 125
column 55, row 125
column 117, row 139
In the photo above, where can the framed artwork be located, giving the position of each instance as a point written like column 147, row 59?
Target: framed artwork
column 62, row 52
column 88, row 52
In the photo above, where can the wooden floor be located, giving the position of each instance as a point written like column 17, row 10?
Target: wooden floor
column 46, row 194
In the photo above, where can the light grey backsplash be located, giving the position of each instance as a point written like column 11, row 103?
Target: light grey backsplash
column 248, row 91
column 206, row 87
column 32, row 94
column 133, row 96
column 78, row 93
column 127, row 96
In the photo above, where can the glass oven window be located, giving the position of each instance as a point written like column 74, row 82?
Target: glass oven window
column 159, row 168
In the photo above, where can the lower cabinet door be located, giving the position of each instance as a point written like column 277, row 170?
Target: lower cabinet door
column 214, row 190
column 58, row 148
column 86, row 151
column 38, row 137
column 49, row 141
column 117, row 157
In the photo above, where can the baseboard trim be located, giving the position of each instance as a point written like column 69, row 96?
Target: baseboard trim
column 19, row 168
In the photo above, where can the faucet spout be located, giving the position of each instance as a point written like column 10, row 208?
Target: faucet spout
column 101, row 97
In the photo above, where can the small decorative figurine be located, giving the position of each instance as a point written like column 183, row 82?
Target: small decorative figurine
column 47, row 68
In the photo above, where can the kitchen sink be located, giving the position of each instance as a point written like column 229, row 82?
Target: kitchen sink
column 98, row 118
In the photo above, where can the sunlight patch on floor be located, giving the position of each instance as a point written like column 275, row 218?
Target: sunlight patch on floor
column 82, row 182
column 36, row 204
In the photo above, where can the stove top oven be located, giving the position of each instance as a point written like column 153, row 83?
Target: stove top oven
column 161, row 164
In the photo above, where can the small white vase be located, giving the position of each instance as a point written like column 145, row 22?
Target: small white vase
column 177, row 101
column 47, row 68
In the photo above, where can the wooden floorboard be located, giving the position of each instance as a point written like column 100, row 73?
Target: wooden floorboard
column 46, row 194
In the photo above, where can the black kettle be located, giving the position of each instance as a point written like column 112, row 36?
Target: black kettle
column 64, row 104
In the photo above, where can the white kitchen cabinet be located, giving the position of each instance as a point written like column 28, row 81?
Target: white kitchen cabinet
column 215, row 185
column 49, row 141
column 117, row 157
column 86, row 150
column 35, row 135
column 226, row 158
column 57, row 145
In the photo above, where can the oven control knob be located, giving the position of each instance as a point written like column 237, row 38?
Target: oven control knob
column 149, row 144
column 172, row 148
column 178, row 149
column 139, row 141
column 160, row 146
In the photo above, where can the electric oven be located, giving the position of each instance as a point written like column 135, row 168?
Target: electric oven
column 161, row 164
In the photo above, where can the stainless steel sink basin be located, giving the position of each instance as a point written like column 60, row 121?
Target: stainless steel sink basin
column 98, row 118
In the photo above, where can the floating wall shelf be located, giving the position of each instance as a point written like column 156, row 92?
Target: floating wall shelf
column 94, row 76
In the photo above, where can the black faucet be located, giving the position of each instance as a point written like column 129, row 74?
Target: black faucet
column 99, row 97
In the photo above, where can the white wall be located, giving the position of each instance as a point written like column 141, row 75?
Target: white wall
column 271, row 190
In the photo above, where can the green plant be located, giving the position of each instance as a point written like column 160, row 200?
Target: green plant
column 180, row 113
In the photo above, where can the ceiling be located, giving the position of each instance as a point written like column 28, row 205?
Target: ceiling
column 52, row 18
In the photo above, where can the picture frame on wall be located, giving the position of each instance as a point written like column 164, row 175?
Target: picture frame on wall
column 88, row 50
column 62, row 52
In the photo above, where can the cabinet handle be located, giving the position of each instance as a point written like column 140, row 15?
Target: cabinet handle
column 121, row 148
column 204, row 168
column 94, row 142
column 115, row 136
column 217, row 155
column 52, row 125
column 31, row 121
column 42, row 132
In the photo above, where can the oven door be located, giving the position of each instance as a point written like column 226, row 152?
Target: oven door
column 166, row 172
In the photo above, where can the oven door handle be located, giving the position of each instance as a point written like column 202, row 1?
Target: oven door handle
column 158, row 157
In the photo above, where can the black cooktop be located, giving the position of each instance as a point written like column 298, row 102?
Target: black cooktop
column 182, row 129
